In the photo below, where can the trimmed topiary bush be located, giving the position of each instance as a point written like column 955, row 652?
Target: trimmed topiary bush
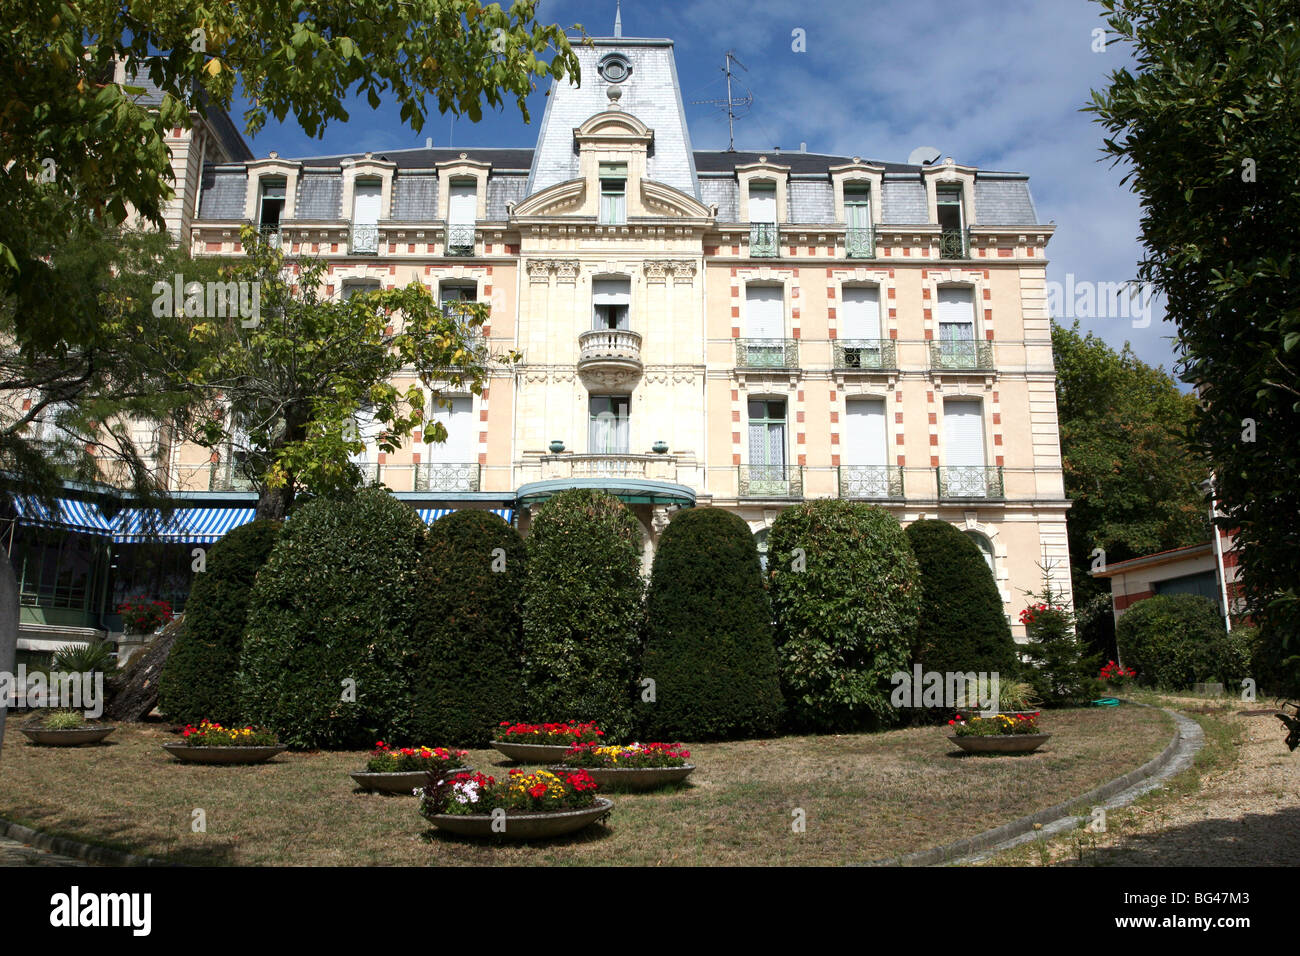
column 468, row 631
column 962, row 626
column 1176, row 640
column 582, row 611
column 709, row 645
column 328, row 657
column 846, row 593
column 198, row 680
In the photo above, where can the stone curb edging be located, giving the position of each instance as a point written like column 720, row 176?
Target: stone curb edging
column 88, row 853
column 1186, row 742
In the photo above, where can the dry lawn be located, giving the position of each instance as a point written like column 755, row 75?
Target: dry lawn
column 864, row 797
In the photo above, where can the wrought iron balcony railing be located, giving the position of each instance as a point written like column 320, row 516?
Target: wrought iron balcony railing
column 459, row 240
column 954, row 244
column 961, row 355
column 767, row 353
column 865, row 354
column 970, row 481
column 764, row 239
column 224, row 477
column 363, row 239
column 880, row 482
column 444, row 476
column 270, row 235
column 860, row 243
column 770, row 481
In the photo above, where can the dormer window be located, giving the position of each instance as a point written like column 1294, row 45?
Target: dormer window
column 613, row 193
column 614, row 68
column 952, row 223
column 270, row 205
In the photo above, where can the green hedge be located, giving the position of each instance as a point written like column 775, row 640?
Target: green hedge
column 468, row 630
column 709, row 646
column 582, row 611
column 332, row 610
column 198, row 680
column 846, row 604
column 1176, row 640
column 963, row 627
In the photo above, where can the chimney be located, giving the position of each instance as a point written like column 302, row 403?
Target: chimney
column 428, row 142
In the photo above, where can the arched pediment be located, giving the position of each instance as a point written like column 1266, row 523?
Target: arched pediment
column 665, row 200
column 554, row 200
column 613, row 124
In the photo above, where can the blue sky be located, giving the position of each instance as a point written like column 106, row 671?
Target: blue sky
column 993, row 84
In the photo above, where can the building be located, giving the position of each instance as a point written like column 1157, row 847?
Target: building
column 741, row 330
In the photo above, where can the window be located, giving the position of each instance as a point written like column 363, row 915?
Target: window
column 462, row 212
column 608, row 430
column 353, row 287
column 963, row 432
column 864, row 427
column 760, row 542
column 613, row 193
column 614, row 68
column 985, row 546
column 270, row 204
column 366, row 196
column 762, row 202
column 767, row 429
column 457, row 418
column 860, row 326
column 365, row 428
column 956, row 312
column 609, row 303
column 857, row 215
column 952, row 223
column 764, row 326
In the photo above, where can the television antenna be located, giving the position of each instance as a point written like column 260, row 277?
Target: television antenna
column 735, row 106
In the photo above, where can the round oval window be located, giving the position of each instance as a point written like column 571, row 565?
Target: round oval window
column 615, row 68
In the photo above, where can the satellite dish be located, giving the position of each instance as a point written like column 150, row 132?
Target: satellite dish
column 923, row 156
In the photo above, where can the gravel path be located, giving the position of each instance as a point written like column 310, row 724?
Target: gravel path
column 1243, row 815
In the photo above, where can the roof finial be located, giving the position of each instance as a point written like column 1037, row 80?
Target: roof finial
column 618, row 18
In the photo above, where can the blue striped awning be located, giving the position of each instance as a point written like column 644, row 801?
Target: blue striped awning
column 198, row 525
column 66, row 513
column 430, row 515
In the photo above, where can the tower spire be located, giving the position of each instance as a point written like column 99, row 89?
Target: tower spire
column 618, row 18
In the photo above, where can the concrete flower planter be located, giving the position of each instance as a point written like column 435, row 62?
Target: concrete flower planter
column 226, row 755
column 532, row 753
column 633, row 779
column 74, row 737
column 1001, row 743
column 523, row 826
column 406, row 781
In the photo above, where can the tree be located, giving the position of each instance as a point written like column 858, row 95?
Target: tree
column 582, row 611
column 1131, row 477
column 709, row 645
column 329, row 652
column 1204, row 123
column 846, row 594
column 198, row 680
column 962, row 625
column 1063, row 671
column 469, row 622
column 297, row 378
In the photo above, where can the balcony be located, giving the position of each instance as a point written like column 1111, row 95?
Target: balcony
column 965, row 355
column 970, row 481
column 767, row 353
column 954, row 244
column 459, row 239
column 609, row 358
column 223, row 476
column 443, row 476
column 865, row 355
column 764, row 240
column 610, row 465
column 363, row 239
column 860, row 243
column 770, row 481
column 872, row 482
column 270, row 235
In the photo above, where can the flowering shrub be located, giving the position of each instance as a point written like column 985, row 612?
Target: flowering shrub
column 538, row 792
column 633, row 755
column 144, row 617
column 1113, row 673
column 1002, row 724
column 209, row 733
column 384, row 759
column 566, row 733
column 1036, row 612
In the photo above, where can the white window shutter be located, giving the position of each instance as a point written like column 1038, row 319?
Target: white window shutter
column 462, row 203
column 365, row 203
column 865, row 435
column 764, row 312
column 963, row 434
column 860, row 313
column 956, row 313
